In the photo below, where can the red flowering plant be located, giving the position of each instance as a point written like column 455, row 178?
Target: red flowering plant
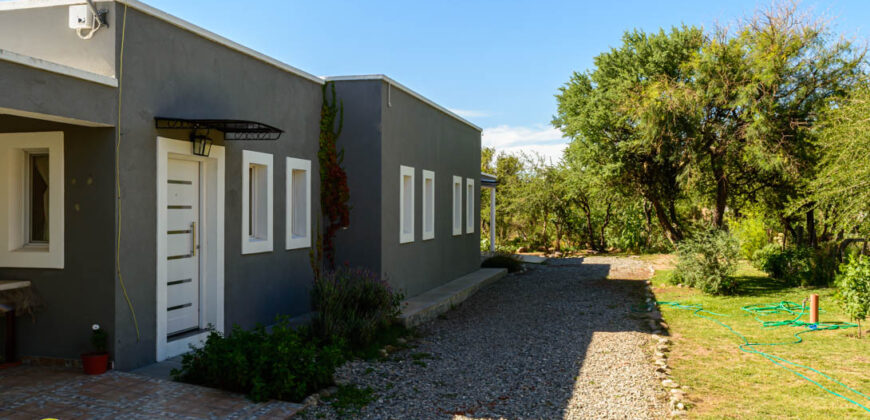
column 334, row 192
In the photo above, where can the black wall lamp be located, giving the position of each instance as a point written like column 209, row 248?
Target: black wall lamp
column 201, row 144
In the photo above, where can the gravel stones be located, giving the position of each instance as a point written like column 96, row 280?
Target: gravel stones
column 555, row 342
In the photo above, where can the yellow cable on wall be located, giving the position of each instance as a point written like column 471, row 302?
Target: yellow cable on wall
column 118, row 173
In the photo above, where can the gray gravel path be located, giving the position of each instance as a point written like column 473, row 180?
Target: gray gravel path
column 557, row 341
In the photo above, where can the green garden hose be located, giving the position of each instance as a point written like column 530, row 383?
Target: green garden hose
column 785, row 307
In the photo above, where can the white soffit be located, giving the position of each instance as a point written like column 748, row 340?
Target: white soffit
column 37, row 63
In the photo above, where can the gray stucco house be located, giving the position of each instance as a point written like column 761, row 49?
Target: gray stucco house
column 113, row 211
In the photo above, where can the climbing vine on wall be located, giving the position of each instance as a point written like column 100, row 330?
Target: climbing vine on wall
column 334, row 192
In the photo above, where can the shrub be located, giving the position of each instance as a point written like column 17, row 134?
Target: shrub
column 798, row 266
column 285, row 364
column 708, row 260
column 751, row 234
column 503, row 261
column 853, row 288
column 352, row 305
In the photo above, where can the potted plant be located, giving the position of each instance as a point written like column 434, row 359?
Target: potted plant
column 97, row 362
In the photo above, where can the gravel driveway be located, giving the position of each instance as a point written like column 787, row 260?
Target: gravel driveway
column 556, row 341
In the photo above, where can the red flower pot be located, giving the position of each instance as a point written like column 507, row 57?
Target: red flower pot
column 95, row 363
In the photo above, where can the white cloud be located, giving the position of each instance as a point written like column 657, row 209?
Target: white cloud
column 470, row 113
column 541, row 139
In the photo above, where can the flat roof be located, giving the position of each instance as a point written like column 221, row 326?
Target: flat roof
column 183, row 24
column 407, row 90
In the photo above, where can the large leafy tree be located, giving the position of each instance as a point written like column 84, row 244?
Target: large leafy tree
column 613, row 116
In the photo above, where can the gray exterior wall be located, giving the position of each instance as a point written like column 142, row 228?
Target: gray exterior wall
column 44, row 33
column 412, row 133
column 81, row 293
column 170, row 72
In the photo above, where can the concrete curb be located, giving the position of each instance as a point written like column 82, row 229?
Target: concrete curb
column 427, row 306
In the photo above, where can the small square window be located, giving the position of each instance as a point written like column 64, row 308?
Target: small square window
column 457, row 205
column 256, row 202
column 469, row 205
column 428, row 205
column 406, row 204
column 298, row 222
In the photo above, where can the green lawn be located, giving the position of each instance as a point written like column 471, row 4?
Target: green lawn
column 728, row 383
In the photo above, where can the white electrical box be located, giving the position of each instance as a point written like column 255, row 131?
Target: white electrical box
column 80, row 17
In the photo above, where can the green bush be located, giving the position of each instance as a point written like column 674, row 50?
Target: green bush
column 751, row 234
column 285, row 364
column 353, row 305
column 853, row 287
column 503, row 261
column 708, row 261
column 798, row 266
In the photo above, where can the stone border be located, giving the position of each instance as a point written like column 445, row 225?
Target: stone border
column 660, row 355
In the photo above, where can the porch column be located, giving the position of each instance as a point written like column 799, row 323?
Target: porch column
column 492, row 219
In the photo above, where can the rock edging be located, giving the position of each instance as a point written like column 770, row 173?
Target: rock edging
column 660, row 355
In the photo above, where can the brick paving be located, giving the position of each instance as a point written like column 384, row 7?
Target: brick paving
column 28, row 392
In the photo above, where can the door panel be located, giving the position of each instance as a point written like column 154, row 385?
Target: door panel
column 183, row 265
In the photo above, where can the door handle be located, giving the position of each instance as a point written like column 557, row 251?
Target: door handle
column 193, row 235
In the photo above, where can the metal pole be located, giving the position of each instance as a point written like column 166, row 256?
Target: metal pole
column 492, row 219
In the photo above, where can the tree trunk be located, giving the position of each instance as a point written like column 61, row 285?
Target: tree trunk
column 590, row 233
column 601, row 239
column 721, row 192
column 671, row 231
column 811, row 229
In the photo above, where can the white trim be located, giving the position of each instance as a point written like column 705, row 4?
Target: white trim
column 406, row 214
column 257, row 245
column 14, row 251
column 469, row 205
column 457, row 205
column 212, row 246
column 404, row 88
column 37, row 63
column 52, row 118
column 428, row 201
column 291, row 241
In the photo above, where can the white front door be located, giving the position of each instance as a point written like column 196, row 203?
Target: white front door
column 183, row 255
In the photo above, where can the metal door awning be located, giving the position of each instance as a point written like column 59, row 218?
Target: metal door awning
column 232, row 129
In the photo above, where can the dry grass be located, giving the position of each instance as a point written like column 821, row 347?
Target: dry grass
column 728, row 383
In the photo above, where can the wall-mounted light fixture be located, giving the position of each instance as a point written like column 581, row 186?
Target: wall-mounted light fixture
column 201, row 144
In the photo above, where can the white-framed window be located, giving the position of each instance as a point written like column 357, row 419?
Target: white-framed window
column 428, row 205
column 298, row 222
column 469, row 205
column 457, row 205
column 406, row 204
column 32, row 197
column 257, row 199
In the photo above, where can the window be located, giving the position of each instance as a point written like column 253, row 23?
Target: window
column 406, row 204
column 31, row 182
column 469, row 205
column 298, row 223
column 256, row 202
column 457, row 205
column 428, row 205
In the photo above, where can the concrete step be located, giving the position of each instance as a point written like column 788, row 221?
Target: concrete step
column 427, row 306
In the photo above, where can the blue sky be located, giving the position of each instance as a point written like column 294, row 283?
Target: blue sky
column 497, row 63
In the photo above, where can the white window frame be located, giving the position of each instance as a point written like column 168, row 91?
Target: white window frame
column 294, row 241
column 469, row 205
column 428, row 206
column 256, row 245
column 15, row 249
column 457, row 205
column 406, row 213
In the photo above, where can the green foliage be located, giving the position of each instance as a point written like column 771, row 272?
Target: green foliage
column 853, row 287
column 751, row 234
column 798, row 266
column 285, row 364
column 503, row 261
column 352, row 305
column 349, row 399
column 99, row 339
column 707, row 261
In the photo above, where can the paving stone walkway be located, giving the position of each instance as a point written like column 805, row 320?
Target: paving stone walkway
column 28, row 392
